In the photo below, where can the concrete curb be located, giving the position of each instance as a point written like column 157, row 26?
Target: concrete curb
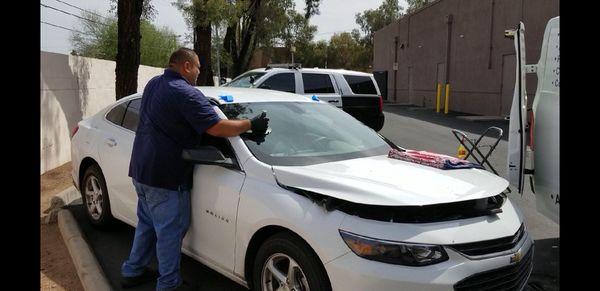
column 90, row 274
column 70, row 196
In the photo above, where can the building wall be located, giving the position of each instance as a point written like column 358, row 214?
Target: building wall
column 73, row 88
column 481, row 64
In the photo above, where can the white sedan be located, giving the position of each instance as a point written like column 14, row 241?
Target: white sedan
column 317, row 204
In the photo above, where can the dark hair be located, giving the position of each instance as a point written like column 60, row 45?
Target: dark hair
column 182, row 55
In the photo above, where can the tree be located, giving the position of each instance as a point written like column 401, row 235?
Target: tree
column 342, row 51
column 201, row 16
column 241, row 36
column 296, row 29
column 370, row 21
column 373, row 20
column 299, row 33
column 249, row 24
column 312, row 8
column 128, row 46
column 312, row 54
column 99, row 40
column 157, row 45
column 99, row 37
column 260, row 23
column 415, row 4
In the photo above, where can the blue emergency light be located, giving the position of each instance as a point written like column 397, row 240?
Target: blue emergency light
column 226, row 98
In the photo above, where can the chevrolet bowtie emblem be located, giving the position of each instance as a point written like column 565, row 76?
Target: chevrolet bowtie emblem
column 516, row 257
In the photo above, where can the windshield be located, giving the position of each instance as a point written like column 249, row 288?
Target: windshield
column 305, row 133
column 245, row 80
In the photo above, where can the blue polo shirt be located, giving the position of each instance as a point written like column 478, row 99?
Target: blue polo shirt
column 173, row 116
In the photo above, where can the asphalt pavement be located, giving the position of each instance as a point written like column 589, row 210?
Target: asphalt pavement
column 111, row 248
column 409, row 127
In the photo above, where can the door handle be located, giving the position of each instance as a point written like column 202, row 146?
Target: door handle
column 111, row 142
column 334, row 101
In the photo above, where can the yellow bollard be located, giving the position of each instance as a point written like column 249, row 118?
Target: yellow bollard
column 447, row 98
column 438, row 97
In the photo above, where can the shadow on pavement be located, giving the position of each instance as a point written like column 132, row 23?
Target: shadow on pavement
column 472, row 128
column 545, row 274
column 111, row 248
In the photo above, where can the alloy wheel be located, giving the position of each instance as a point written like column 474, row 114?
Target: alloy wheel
column 282, row 273
column 93, row 197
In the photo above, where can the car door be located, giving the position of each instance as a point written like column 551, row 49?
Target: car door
column 546, row 126
column 116, row 144
column 518, row 115
column 214, row 201
column 322, row 86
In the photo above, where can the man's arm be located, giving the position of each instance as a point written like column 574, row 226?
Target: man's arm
column 229, row 128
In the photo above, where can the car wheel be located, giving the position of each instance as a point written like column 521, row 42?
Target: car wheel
column 285, row 262
column 95, row 197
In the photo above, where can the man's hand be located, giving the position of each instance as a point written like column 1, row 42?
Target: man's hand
column 259, row 123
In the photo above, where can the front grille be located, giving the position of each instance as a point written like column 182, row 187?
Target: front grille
column 490, row 246
column 511, row 277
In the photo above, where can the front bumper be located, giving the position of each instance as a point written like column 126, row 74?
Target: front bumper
column 350, row 272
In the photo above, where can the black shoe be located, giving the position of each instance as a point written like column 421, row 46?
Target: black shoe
column 147, row 276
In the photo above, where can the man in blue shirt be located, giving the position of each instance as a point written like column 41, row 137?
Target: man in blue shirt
column 173, row 115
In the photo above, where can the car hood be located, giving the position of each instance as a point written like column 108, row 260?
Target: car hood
column 380, row 180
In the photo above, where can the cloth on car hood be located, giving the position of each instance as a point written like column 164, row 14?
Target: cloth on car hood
column 432, row 159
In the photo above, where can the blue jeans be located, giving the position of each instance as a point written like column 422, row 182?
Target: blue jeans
column 163, row 220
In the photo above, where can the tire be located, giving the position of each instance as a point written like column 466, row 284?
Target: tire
column 285, row 246
column 94, row 195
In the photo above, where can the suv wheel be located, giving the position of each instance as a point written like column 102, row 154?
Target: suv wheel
column 95, row 197
column 285, row 262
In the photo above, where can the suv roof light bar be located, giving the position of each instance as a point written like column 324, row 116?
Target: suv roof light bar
column 284, row 66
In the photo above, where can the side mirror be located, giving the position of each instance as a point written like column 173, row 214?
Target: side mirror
column 207, row 155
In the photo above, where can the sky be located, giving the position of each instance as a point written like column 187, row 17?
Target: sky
column 336, row 16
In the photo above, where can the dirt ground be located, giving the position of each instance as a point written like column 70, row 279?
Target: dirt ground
column 57, row 271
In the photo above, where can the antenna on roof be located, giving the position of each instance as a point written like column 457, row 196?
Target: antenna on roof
column 284, row 66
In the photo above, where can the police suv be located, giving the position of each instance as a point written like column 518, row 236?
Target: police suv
column 355, row 92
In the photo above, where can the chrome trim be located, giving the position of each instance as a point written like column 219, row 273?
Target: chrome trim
column 530, row 268
column 515, row 249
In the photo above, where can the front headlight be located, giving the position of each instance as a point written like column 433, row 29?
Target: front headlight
column 407, row 254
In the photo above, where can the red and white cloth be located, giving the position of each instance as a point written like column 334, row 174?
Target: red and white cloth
column 432, row 159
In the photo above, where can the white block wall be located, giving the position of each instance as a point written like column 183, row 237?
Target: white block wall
column 73, row 88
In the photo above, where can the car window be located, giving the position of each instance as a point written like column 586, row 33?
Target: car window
column 281, row 82
column 116, row 114
column 361, row 84
column 317, row 83
column 305, row 133
column 132, row 115
column 220, row 143
column 245, row 80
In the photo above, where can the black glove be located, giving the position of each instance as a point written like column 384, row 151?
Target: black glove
column 259, row 123
column 258, row 138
